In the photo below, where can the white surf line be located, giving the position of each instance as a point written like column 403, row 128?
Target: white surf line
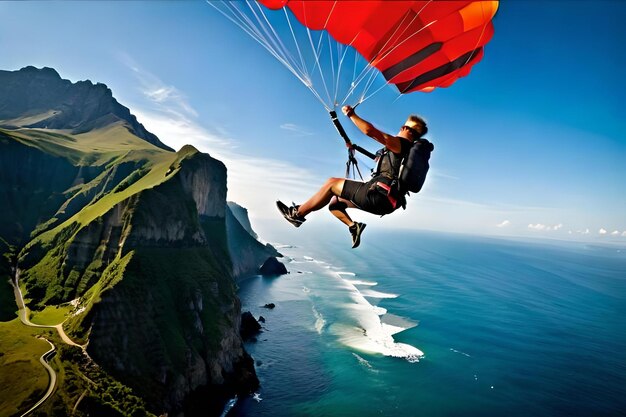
column 229, row 405
column 366, row 332
column 53, row 378
column 377, row 294
column 375, row 335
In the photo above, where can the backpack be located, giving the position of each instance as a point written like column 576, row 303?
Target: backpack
column 415, row 166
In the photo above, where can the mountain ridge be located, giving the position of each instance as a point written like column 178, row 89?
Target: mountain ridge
column 136, row 250
column 40, row 98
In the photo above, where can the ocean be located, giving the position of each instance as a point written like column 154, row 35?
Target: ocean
column 429, row 324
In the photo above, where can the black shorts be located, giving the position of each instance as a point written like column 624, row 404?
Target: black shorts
column 367, row 197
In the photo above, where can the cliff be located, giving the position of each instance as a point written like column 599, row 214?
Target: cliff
column 241, row 214
column 248, row 254
column 140, row 247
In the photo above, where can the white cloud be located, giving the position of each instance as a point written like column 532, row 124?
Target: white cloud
column 252, row 181
column 624, row 233
column 615, row 233
column 165, row 97
column 299, row 131
column 504, row 224
column 540, row 226
column 602, row 231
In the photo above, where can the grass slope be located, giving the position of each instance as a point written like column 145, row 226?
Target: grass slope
column 23, row 380
column 113, row 165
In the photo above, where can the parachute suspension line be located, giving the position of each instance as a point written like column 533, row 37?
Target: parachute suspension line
column 343, row 56
column 402, row 33
column 335, row 75
column 317, row 53
column 368, row 85
column 331, row 58
column 352, row 83
column 305, row 71
column 239, row 18
column 295, row 41
column 368, row 70
column 364, row 97
column 254, row 28
column 275, row 38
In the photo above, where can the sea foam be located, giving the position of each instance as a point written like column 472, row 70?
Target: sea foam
column 377, row 294
column 360, row 326
column 368, row 333
column 359, row 281
column 229, row 405
column 320, row 322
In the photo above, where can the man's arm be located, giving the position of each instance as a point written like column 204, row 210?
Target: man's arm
column 391, row 142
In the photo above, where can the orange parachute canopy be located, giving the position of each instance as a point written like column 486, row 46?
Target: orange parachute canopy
column 416, row 45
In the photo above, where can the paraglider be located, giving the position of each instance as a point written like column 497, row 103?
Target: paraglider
column 416, row 46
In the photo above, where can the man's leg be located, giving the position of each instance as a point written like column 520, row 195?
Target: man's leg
column 338, row 208
column 331, row 188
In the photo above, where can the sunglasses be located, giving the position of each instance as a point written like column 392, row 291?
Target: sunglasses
column 410, row 129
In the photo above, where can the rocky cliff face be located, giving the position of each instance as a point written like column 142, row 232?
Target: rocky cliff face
column 142, row 243
column 32, row 186
column 39, row 98
column 155, row 279
column 241, row 214
column 248, row 253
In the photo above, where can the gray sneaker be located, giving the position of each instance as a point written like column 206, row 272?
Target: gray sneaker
column 290, row 213
column 355, row 230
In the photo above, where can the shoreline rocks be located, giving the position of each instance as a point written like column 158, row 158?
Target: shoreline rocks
column 273, row 267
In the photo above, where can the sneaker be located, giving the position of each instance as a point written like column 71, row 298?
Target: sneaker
column 290, row 213
column 355, row 230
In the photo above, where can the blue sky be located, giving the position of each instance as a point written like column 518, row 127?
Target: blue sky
column 531, row 143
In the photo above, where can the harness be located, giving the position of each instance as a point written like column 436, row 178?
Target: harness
column 390, row 172
column 387, row 174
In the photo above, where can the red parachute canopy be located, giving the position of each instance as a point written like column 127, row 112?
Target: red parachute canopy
column 416, row 45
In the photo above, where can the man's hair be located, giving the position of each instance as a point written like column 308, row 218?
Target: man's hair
column 421, row 124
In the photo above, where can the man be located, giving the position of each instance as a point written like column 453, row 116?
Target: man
column 380, row 195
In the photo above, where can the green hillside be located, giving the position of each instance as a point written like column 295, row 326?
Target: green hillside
column 127, row 247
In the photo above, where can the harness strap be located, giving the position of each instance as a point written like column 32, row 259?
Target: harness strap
column 386, row 187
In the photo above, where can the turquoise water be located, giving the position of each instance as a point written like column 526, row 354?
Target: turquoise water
column 424, row 324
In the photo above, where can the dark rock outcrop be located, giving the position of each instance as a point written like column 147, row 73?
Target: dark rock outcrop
column 273, row 266
column 270, row 306
column 241, row 214
column 249, row 326
column 246, row 252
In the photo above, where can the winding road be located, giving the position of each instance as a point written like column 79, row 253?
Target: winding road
column 23, row 315
column 53, row 377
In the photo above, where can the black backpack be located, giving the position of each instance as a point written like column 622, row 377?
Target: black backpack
column 415, row 166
